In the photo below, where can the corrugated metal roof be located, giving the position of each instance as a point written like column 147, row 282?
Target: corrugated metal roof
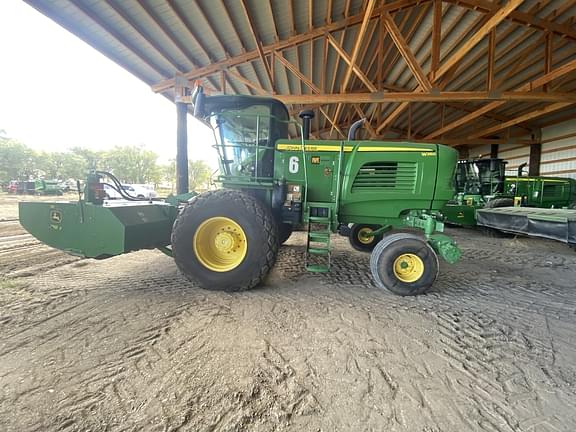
column 157, row 39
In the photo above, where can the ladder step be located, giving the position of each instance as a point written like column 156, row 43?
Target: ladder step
column 317, row 236
column 317, row 268
column 318, row 251
column 317, row 219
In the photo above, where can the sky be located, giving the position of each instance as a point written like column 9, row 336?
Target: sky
column 57, row 92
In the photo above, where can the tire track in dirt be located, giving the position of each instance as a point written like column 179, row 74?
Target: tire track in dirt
column 127, row 344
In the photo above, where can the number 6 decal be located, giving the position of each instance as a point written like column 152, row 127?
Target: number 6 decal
column 293, row 164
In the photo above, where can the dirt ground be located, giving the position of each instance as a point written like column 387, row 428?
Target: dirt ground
column 126, row 344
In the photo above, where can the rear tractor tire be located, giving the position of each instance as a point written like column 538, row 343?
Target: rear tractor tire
column 225, row 240
column 405, row 264
column 360, row 242
column 284, row 232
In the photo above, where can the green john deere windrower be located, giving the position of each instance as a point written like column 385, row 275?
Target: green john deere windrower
column 482, row 184
column 228, row 239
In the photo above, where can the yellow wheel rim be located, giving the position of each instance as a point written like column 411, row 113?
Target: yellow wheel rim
column 220, row 244
column 362, row 238
column 408, row 268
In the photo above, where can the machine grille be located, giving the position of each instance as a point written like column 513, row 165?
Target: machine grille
column 400, row 176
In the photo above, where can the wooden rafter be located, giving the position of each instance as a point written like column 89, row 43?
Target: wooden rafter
column 406, row 97
column 258, row 43
column 494, row 20
column 296, row 72
column 557, row 73
column 292, row 41
column 238, row 76
column 406, row 52
column 524, row 18
column 491, row 61
column 305, row 80
column 436, row 36
column 472, row 66
column 174, row 8
column 411, row 22
column 525, row 117
column 355, row 51
column 344, row 55
column 367, row 124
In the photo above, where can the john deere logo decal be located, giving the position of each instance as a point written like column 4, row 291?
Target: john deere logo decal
column 55, row 216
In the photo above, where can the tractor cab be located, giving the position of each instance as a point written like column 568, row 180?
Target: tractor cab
column 478, row 183
column 484, row 177
column 246, row 129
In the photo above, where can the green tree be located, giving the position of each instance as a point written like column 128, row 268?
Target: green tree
column 17, row 161
column 93, row 159
column 133, row 164
column 61, row 165
column 168, row 173
column 199, row 175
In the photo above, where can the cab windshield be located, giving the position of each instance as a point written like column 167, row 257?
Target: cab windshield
column 243, row 142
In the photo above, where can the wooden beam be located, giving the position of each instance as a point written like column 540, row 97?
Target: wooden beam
column 310, row 15
column 557, row 73
column 304, row 79
column 358, row 43
column 496, row 19
column 258, row 43
column 273, row 21
column 260, row 90
column 524, row 117
column 410, row 22
column 548, row 56
column 367, row 82
column 355, row 51
column 527, row 19
column 290, row 42
column 334, row 125
column 471, row 67
column 447, row 67
column 367, row 124
column 436, row 36
column 406, row 52
column 491, row 61
column 296, row 72
column 387, row 97
column 491, row 115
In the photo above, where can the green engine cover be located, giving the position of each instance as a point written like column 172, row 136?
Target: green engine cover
column 95, row 231
column 371, row 182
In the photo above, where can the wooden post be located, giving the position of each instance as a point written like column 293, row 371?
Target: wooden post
column 181, row 148
column 534, row 160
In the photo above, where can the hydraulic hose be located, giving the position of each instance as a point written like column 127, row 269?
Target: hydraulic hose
column 118, row 187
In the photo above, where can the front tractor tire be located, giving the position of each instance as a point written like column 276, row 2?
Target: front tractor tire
column 404, row 264
column 225, row 240
column 359, row 241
